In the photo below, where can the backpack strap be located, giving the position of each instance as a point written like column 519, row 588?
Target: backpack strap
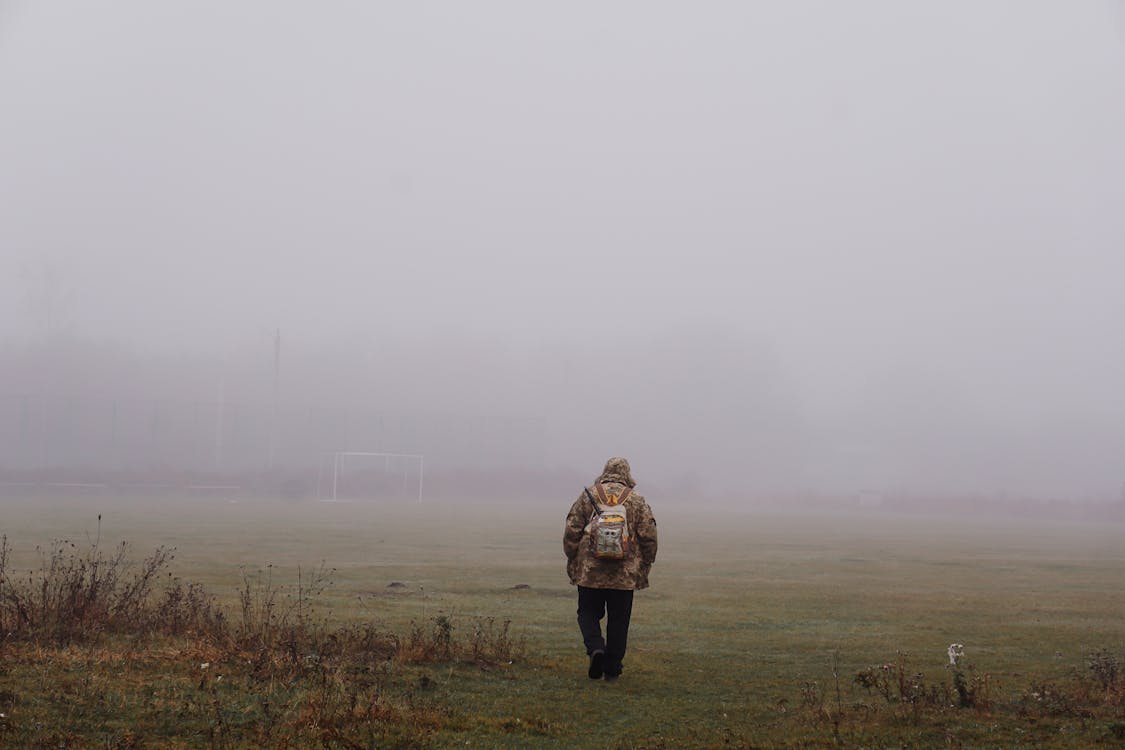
column 601, row 493
column 605, row 498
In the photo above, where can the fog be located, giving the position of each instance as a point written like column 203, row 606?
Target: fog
column 758, row 248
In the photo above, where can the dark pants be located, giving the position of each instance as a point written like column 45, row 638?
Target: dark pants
column 593, row 604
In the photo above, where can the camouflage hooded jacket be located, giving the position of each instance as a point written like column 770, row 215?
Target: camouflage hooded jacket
column 588, row 571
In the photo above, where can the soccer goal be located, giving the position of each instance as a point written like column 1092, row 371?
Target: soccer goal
column 349, row 476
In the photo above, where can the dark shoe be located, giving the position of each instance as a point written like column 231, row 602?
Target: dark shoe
column 596, row 668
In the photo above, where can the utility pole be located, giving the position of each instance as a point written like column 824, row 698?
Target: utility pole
column 220, row 417
column 276, row 394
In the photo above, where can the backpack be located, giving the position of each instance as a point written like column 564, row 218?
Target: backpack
column 608, row 529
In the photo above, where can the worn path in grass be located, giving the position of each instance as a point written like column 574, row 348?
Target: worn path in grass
column 735, row 641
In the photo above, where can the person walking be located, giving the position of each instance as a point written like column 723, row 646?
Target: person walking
column 610, row 545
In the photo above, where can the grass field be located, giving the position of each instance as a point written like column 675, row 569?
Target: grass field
column 760, row 630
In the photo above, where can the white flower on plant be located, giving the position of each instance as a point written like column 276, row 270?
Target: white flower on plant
column 204, row 665
column 955, row 651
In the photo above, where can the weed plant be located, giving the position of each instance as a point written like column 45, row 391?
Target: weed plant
column 281, row 674
column 894, row 694
column 774, row 637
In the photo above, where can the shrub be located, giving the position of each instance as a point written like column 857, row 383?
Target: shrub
column 488, row 643
column 79, row 592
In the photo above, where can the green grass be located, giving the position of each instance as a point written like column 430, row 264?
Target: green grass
column 733, row 646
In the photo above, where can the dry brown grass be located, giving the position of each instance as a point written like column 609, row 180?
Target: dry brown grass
column 90, row 635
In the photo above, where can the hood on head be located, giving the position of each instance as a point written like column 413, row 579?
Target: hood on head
column 617, row 470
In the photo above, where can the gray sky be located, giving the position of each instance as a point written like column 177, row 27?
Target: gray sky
column 868, row 243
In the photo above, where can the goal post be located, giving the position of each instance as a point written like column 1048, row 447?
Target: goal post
column 344, row 476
